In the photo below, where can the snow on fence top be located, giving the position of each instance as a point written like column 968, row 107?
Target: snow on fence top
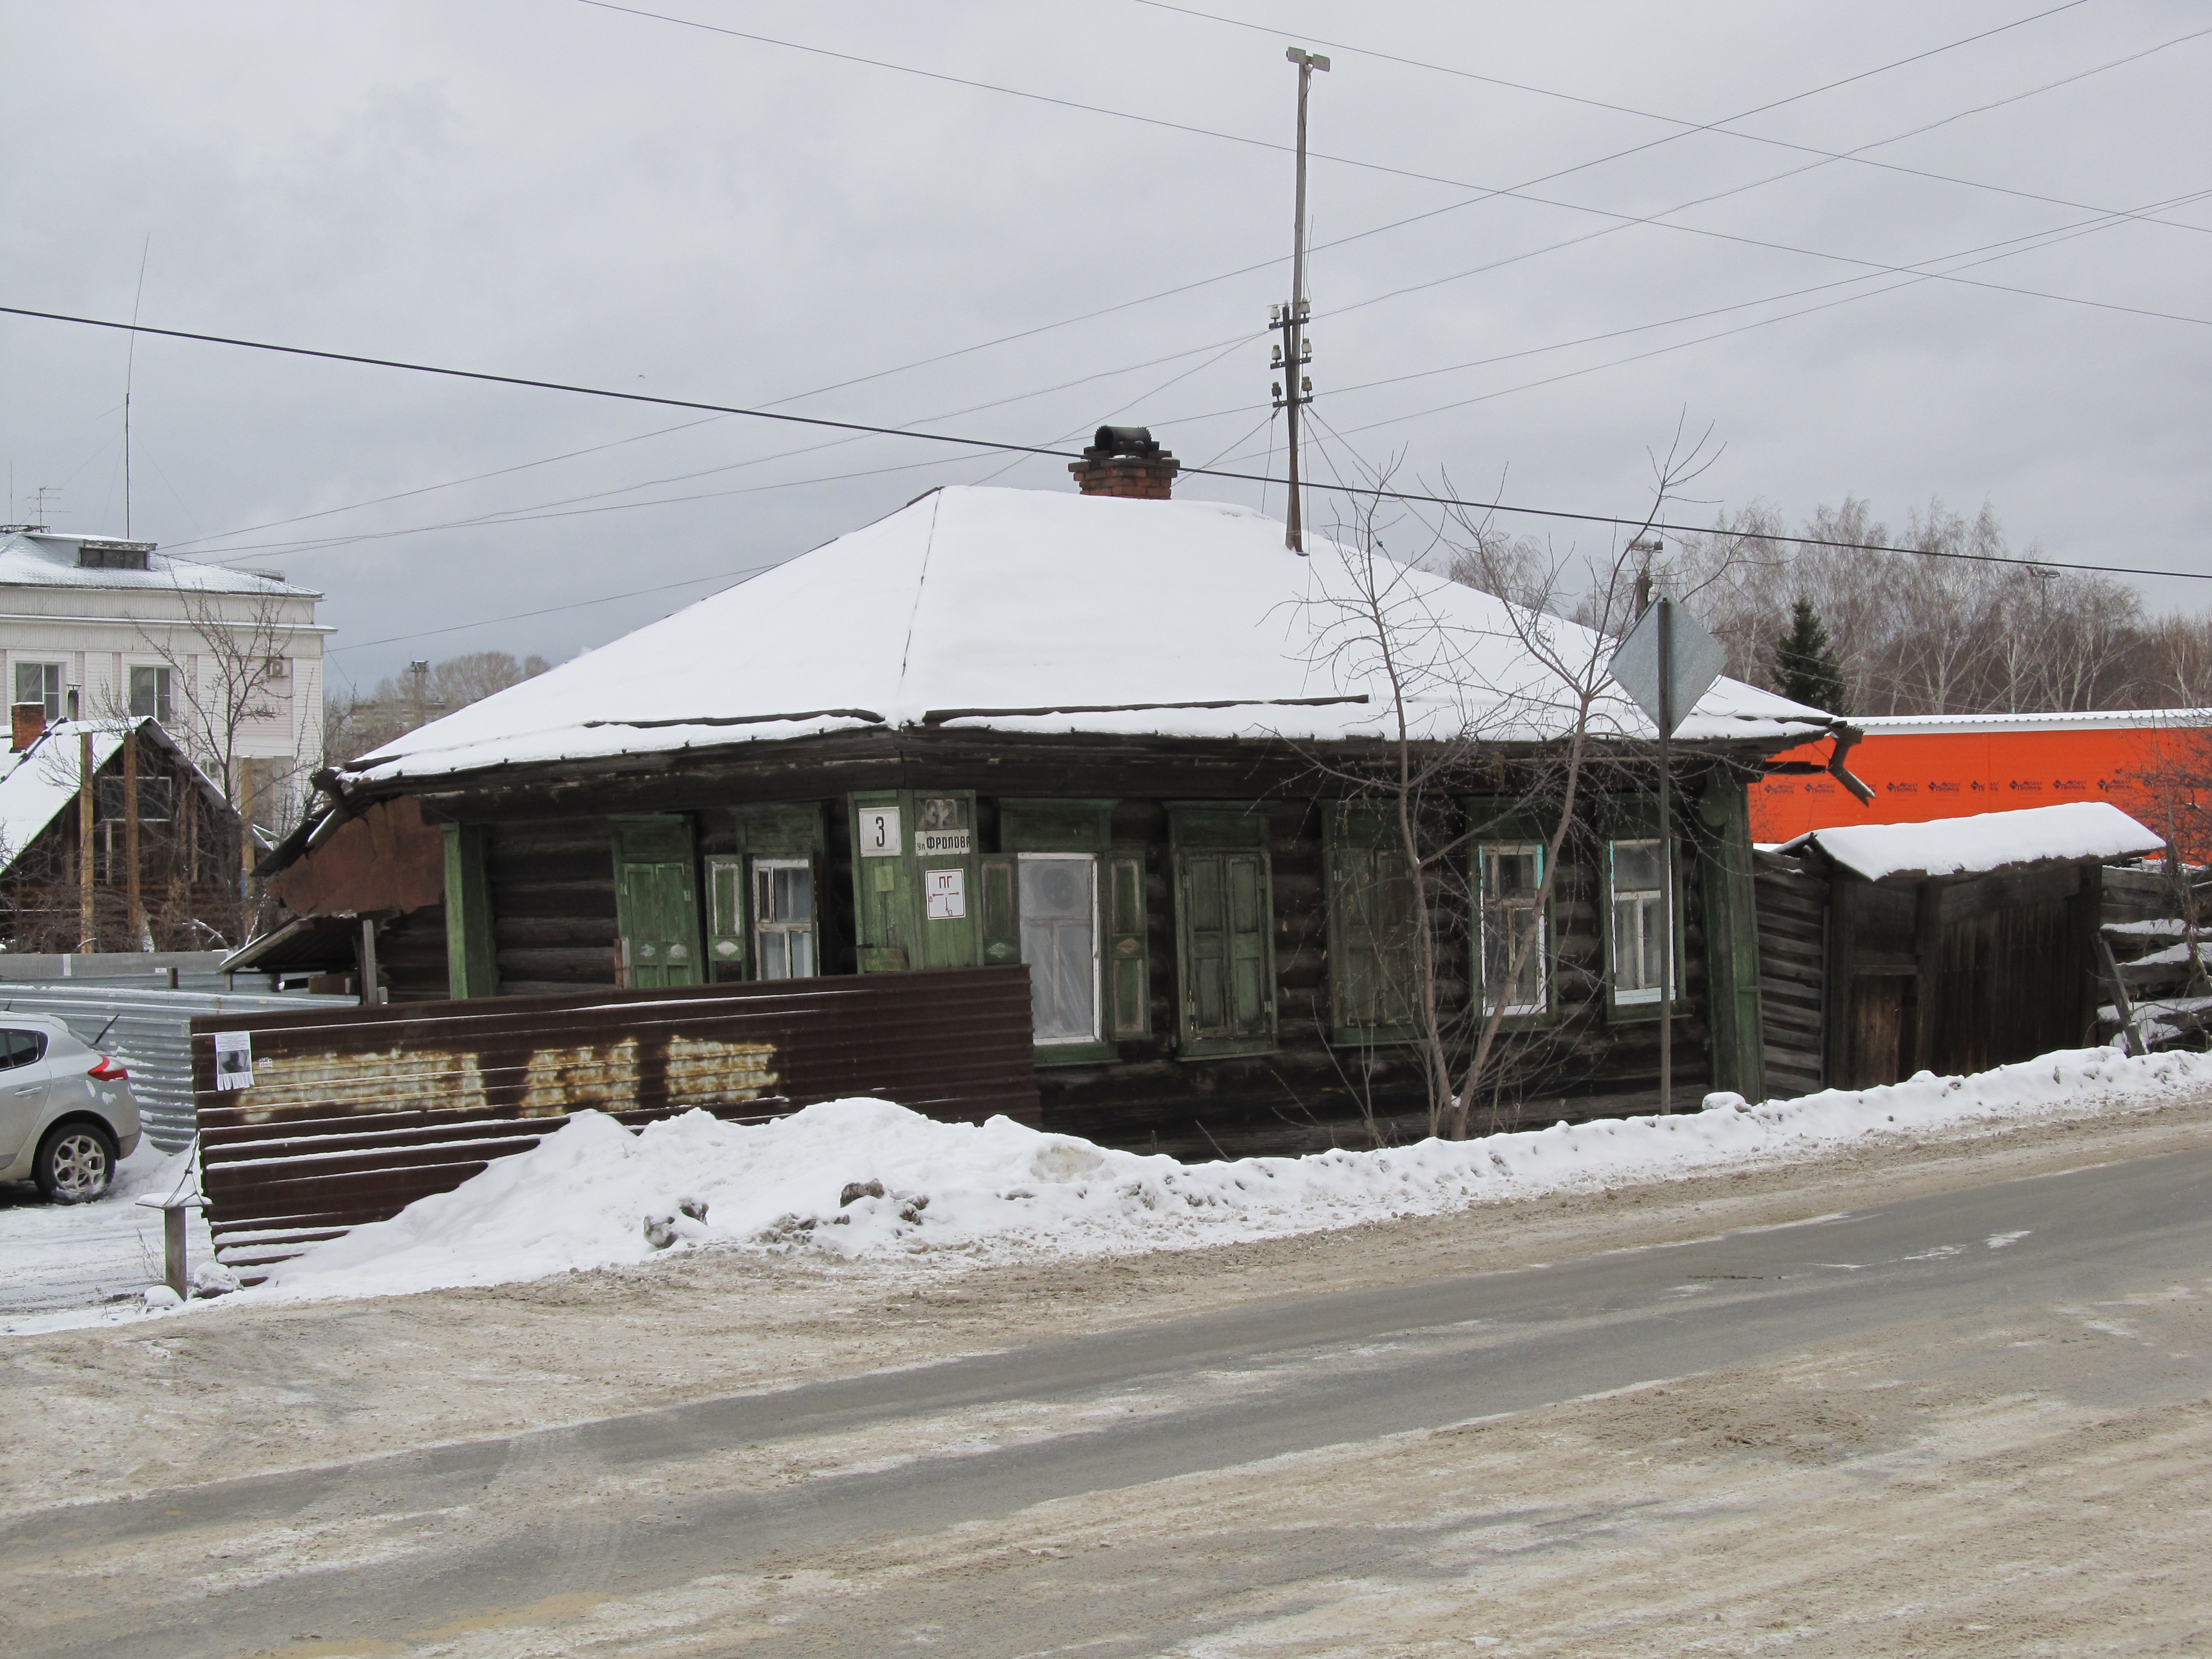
column 2076, row 831
column 1025, row 610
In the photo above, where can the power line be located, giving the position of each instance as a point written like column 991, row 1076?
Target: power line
column 539, row 510
column 1688, row 129
column 1062, row 454
column 1485, row 192
column 1724, row 128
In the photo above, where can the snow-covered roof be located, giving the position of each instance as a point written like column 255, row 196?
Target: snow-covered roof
column 1025, row 610
column 2101, row 720
column 48, row 558
column 2078, row 831
column 42, row 781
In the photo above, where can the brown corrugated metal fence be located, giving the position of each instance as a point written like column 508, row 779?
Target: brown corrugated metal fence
column 355, row 1113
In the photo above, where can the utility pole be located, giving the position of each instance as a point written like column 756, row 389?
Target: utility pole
column 130, row 368
column 1666, row 855
column 1649, row 548
column 88, row 937
column 1293, row 352
column 134, row 899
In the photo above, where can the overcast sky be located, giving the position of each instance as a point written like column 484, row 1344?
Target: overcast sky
column 551, row 189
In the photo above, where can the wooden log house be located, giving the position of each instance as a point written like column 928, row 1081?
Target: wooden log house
column 1103, row 734
column 181, row 890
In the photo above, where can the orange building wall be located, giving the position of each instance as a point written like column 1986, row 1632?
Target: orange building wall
column 1919, row 776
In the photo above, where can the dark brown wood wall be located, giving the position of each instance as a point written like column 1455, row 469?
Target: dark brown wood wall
column 552, row 901
column 1793, row 942
column 411, row 957
column 2008, row 972
column 552, row 883
column 1309, row 1093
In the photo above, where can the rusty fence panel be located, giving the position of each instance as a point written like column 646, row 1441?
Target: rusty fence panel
column 354, row 1114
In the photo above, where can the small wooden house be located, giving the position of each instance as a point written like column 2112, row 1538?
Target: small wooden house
column 1133, row 743
column 63, row 847
column 1950, row 946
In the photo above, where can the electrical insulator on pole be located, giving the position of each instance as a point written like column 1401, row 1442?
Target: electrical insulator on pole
column 1294, row 351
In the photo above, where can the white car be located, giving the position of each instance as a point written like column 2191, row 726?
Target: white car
column 66, row 1116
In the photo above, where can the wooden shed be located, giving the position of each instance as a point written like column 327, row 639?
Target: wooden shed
column 1121, row 741
column 1950, row 946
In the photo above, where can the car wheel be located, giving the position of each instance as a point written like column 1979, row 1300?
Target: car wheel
column 76, row 1163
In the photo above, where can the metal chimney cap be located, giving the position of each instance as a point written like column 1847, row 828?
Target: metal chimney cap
column 1124, row 440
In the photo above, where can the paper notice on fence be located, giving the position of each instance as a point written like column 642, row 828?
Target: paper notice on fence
column 234, row 1059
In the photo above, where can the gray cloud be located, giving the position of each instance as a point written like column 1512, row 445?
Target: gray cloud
column 550, row 189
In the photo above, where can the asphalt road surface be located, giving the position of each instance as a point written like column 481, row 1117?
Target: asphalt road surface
column 414, row 1552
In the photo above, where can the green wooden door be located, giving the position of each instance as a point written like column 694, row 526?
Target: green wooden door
column 661, row 923
column 657, row 903
column 1228, row 950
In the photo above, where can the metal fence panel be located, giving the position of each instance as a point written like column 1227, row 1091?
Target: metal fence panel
column 353, row 1115
column 149, row 1029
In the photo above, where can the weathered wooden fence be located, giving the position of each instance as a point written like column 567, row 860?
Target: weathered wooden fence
column 354, row 1114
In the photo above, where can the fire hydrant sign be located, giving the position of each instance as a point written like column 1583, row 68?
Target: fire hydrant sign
column 945, row 895
column 234, row 1059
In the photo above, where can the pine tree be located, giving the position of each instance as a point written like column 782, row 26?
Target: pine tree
column 1805, row 666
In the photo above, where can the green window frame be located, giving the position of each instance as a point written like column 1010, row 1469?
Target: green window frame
column 1033, row 836
column 1374, row 962
column 1631, row 906
column 1508, row 847
column 749, row 927
column 1224, row 930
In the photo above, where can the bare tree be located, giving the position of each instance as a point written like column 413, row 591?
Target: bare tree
column 220, row 675
column 1522, row 697
column 356, row 725
column 1962, row 626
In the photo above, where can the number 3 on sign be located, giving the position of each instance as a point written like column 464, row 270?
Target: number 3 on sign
column 945, row 895
column 879, row 833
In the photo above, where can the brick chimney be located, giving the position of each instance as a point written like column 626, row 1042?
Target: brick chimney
column 28, row 724
column 1124, row 460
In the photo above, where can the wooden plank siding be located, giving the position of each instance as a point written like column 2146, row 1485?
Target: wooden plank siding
column 1793, row 942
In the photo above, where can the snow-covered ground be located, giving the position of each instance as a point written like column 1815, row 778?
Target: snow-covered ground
column 63, row 1256
column 864, row 1178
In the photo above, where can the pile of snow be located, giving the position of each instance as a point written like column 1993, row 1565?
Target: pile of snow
column 857, row 1178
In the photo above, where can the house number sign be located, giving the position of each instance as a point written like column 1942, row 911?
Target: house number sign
column 945, row 895
column 879, row 833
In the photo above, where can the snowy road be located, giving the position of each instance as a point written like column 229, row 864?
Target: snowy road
column 1286, row 1475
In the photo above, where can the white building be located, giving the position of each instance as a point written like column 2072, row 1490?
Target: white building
column 229, row 661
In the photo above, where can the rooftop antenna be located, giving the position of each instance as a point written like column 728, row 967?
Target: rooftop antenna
column 129, row 368
column 1294, row 351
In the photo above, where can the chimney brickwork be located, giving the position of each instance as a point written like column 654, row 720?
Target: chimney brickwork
column 27, row 723
column 1125, row 461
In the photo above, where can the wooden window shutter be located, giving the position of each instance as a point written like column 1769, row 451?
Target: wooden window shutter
column 1373, row 959
column 1002, row 921
column 725, row 914
column 1251, row 957
column 1228, row 955
column 1129, row 988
